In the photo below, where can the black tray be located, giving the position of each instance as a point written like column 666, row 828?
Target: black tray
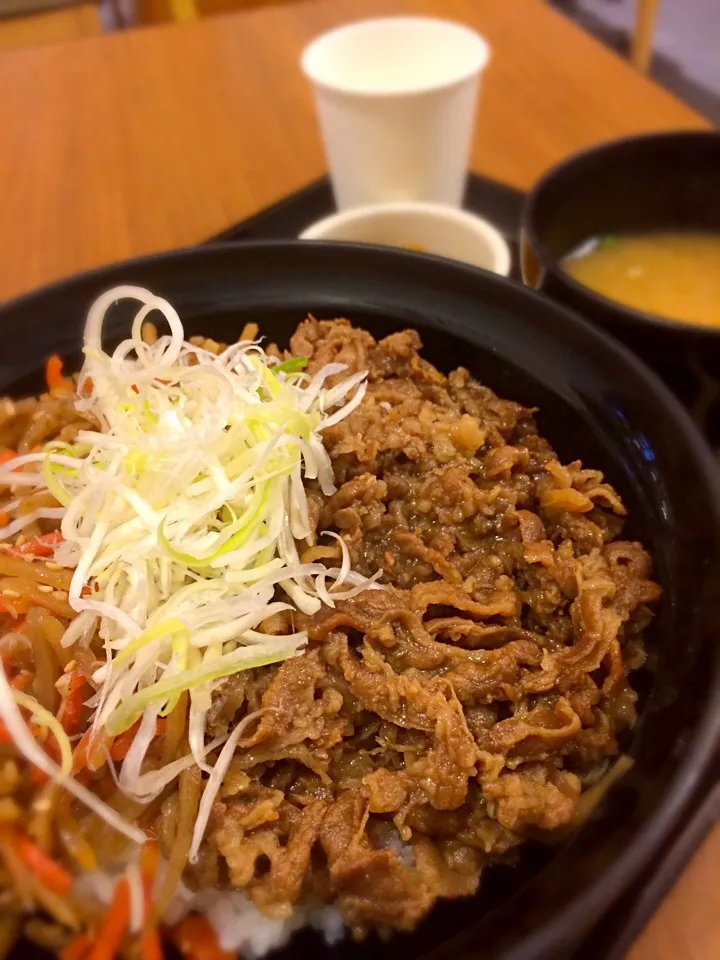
column 615, row 934
column 290, row 216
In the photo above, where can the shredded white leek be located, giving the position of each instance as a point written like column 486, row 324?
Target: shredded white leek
column 215, row 782
column 136, row 890
column 181, row 515
column 43, row 718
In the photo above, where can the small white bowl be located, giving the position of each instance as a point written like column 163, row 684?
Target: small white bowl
column 426, row 227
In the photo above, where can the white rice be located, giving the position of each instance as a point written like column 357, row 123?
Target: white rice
column 402, row 849
column 239, row 925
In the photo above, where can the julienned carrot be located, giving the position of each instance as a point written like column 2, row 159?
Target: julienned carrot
column 78, row 948
column 120, row 746
column 149, row 857
column 7, row 455
column 80, row 753
column 54, row 375
column 149, row 861
column 150, row 947
column 47, row 871
column 51, row 748
column 49, row 745
column 42, row 546
column 195, row 938
column 22, row 680
column 14, row 607
column 92, row 749
column 53, row 371
column 90, row 752
column 112, row 929
column 122, row 743
column 70, row 712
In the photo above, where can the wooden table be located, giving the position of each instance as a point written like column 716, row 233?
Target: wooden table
column 157, row 138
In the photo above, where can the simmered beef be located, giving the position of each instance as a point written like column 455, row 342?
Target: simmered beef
column 434, row 724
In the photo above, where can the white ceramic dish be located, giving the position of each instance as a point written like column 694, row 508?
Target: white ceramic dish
column 428, row 227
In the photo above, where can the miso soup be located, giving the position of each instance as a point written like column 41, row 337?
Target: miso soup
column 671, row 274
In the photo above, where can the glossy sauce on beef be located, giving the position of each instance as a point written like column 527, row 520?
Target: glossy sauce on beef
column 432, row 726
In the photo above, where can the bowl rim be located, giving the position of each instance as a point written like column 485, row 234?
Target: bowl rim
column 472, row 223
column 586, row 907
column 625, row 315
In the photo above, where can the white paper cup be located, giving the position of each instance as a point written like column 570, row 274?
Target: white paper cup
column 396, row 102
column 426, row 227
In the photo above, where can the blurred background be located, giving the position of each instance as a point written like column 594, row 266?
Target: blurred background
column 131, row 127
column 675, row 41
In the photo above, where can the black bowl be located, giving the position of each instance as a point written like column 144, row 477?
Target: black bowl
column 647, row 183
column 598, row 403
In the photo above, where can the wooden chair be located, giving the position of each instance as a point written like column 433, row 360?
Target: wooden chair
column 32, row 27
column 160, row 11
column 642, row 41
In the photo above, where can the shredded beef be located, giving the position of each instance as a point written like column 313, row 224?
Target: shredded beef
column 435, row 724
